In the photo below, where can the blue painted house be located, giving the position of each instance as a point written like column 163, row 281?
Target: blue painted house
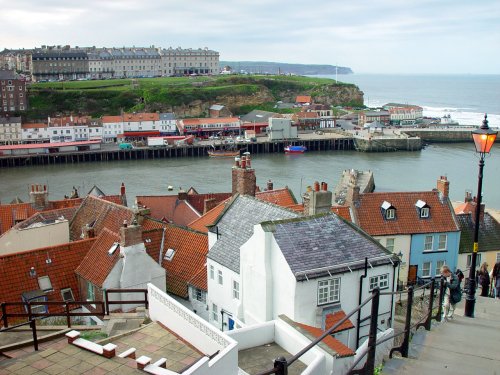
column 419, row 226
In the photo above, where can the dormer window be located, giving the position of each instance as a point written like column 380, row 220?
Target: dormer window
column 423, row 209
column 388, row 211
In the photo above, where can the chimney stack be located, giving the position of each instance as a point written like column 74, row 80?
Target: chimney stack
column 182, row 195
column 208, row 204
column 468, row 197
column 39, row 197
column 243, row 177
column 317, row 201
column 270, row 185
column 130, row 234
column 123, row 196
column 443, row 186
column 481, row 210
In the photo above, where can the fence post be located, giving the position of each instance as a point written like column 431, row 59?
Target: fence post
column 33, row 329
column 282, row 366
column 146, row 299
column 29, row 311
column 68, row 318
column 4, row 315
column 441, row 296
column 372, row 338
column 406, row 340
column 431, row 305
column 106, row 306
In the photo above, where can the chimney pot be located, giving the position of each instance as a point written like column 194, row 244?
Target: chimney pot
column 316, row 186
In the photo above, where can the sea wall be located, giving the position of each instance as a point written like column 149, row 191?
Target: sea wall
column 451, row 135
column 388, row 144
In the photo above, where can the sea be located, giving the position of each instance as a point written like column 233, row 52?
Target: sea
column 466, row 98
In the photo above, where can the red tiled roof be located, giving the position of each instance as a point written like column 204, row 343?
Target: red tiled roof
column 15, row 271
column 198, row 200
column 465, row 208
column 332, row 319
column 200, row 279
column 303, row 99
column 199, row 121
column 407, row 221
column 113, row 198
column 210, row 217
column 102, row 214
column 44, row 216
column 191, row 250
column 33, row 126
column 131, row 117
column 342, row 211
column 97, row 264
column 281, row 197
column 333, row 343
column 177, row 211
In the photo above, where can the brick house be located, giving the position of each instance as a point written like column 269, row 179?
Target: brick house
column 13, row 96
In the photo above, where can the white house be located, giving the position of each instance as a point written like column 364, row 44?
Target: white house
column 311, row 268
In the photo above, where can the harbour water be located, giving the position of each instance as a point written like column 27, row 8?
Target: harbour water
column 399, row 171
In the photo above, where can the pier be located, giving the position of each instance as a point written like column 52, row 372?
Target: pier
column 112, row 153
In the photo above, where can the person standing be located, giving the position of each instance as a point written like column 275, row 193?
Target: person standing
column 496, row 278
column 453, row 293
column 484, row 279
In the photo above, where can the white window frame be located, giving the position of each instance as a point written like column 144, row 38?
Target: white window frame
column 199, row 295
column 428, row 271
column 380, row 281
column 442, row 248
column 390, row 213
column 388, row 246
column 212, row 272
column 220, row 277
column 424, row 212
column 236, row 289
column 215, row 312
column 65, row 290
column 38, row 309
column 426, row 243
column 439, row 263
column 328, row 291
column 478, row 260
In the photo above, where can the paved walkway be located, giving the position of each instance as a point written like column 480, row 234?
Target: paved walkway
column 468, row 346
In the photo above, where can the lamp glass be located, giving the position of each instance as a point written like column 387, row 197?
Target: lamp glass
column 484, row 140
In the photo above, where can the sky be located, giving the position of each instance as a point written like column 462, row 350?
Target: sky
column 369, row 36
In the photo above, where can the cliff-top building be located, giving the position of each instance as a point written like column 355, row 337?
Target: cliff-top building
column 12, row 93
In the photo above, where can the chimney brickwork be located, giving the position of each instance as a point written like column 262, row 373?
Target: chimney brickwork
column 443, row 185
column 39, row 196
column 244, row 181
column 317, row 200
column 130, row 235
column 208, row 204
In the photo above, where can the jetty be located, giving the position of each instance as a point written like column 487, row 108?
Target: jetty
column 364, row 180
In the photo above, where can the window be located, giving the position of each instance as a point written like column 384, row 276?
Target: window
column 67, row 294
column 38, row 309
column 215, row 313
column 212, row 272
column 428, row 243
column 390, row 214
column 199, row 295
column 169, row 255
column 439, row 264
column 389, row 244
column 90, row 292
column 478, row 260
column 426, row 269
column 45, row 284
column 498, row 258
column 328, row 291
column 236, row 289
column 221, row 279
column 381, row 281
column 442, row 241
column 424, row 212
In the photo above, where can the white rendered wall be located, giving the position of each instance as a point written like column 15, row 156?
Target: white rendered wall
column 402, row 243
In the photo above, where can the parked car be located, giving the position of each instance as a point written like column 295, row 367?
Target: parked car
column 125, row 146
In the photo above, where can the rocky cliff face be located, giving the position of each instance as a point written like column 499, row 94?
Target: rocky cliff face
column 343, row 95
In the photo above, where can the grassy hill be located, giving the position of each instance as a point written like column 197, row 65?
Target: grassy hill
column 187, row 95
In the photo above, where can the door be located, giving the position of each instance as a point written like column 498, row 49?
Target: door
column 230, row 323
column 412, row 274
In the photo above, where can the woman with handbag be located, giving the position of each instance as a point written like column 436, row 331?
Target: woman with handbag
column 453, row 292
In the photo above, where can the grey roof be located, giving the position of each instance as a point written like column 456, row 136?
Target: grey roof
column 10, row 120
column 167, row 116
column 258, row 116
column 7, row 74
column 235, row 227
column 320, row 245
column 216, row 107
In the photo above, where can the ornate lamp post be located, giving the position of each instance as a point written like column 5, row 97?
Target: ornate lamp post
column 484, row 138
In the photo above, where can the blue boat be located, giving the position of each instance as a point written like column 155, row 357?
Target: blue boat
column 295, row 149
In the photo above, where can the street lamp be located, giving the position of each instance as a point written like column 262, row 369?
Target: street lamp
column 484, row 138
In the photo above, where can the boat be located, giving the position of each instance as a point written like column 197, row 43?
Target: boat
column 295, row 149
column 224, row 152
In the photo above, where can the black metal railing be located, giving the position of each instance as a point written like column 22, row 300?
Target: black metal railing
column 65, row 312
column 281, row 364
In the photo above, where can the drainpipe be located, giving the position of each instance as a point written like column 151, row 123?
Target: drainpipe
column 394, row 265
column 161, row 246
column 360, row 300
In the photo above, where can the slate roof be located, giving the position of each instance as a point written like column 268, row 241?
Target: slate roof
column 101, row 214
column 370, row 218
column 489, row 233
column 323, row 244
column 98, row 263
column 15, row 271
column 235, row 226
column 190, row 247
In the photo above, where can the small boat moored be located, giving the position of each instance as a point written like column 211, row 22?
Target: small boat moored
column 295, row 149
